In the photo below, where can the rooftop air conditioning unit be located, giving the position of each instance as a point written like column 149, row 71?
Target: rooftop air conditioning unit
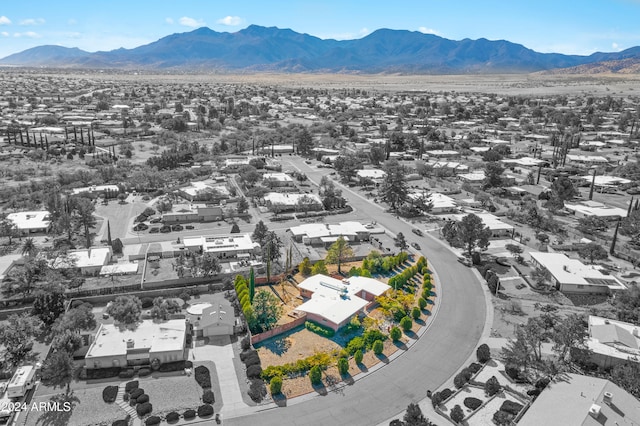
column 607, row 397
column 594, row 411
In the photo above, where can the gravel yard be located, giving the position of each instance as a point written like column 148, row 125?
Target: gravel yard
column 88, row 409
column 168, row 394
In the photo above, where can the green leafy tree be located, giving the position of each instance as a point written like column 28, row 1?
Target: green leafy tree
column 492, row 175
column 343, row 366
column 29, row 247
column 592, row 224
column 319, row 268
column 315, row 375
column 304, row 142
column 305, row 267
column 563, row 189
column 627, row 376
column 84, row 218
column 415, row 313
column 75, row 319
column 339, row 252
column 267, row 310
column 242, row 206
column 395, row 333
column 592, row 252
column 252, row 285
column 571, row 332
column 68, row 341
column 400, row 241
column 164, row 308
column 126, row 310
column 358, row 356
column 58, row 371
column 457, row 415
column 16, row 335
column 468, row 234
column 48, row 306
column 377, row 347
column 260, row 233
column 272, row 247
column 483, row 353
column 347, row 166
column 406, row 324
column 394, row 188
column 275, row 385
column 492, row 386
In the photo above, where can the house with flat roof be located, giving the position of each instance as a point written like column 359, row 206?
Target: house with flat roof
column 30, row 222
column 193, row 213
column 277, row 180
column 215, row 320
column 89, row 261
column 235, row 246
column 612, row 342
column 109, row 191
column 576, row 400
column 279, row 202
column 573, row 276
column 440, row 203
column 498, row 228
column 595, row 209
column 327, row 234
column 332, row 302
column 205, row 190
column 114, row 346
column 375, row 175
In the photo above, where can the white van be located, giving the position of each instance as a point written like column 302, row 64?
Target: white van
column 21, row 382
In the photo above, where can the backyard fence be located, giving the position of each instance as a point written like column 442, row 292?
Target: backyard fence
column 256, row 338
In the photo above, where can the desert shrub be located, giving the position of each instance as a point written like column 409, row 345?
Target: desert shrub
column 100, row 373
column 513, row 372
column 483, row 353
column 205, row 410
column 502, row 418
column 370, row 336
column 422, row 303
column 144, row 372
column 126, row 374
column 254, row 371
column 446, row 393
column 415, row 313
column 343, row 366
column 542, row 383
column 202, row 376
column 315, row 375
column 474, row 367
column 153, row 420
column 189, row 414
column 534, row 392
column 377, row 347
column 472, row 403
column 142, row 398
column 355, row 344
column 134, row 394
column 436, row 399
column 319, row 329
column 492, row 386
column 188, row 364
column 357, row 356
column 275, row 385
column 109, row 394
column 208, row 397
column 257, row 390
column 173, row 417
column 246, row 354
column 144, row 409
column 406, row 323
column 253, row 359
column 457, row 415
column 173, row 366
column 462, row 378
column 125, row 397
column 395, row 333
column 511, row 407
column 245, row 343
column 147, row 302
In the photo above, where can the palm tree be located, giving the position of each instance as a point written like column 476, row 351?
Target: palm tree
column 29, row 248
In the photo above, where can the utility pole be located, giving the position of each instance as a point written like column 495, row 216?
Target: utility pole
column 593, row 183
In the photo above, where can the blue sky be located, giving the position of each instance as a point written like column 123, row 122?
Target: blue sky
column 571, row 27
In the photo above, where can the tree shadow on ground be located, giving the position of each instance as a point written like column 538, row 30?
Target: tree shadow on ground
column 280, row 400
column 348, row 379
column 432, row 293
column 362, row 367
column 430, row 302
column 400, row 345
column 426, row 311
column 333, row 383
column 420, row 322
column 61, row 416
column 411, row 334
column 383, row 358
column 321, row 389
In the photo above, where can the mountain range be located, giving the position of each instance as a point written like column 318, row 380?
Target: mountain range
column 272, row 49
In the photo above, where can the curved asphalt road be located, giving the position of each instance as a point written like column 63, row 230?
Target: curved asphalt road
column 431, row 361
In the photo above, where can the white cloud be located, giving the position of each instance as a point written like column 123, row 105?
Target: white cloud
column 4, row 20
column 232, row 21
column 168, row 21
column 426, row 30
column 4, row 34
column 32, row 21
column 27, row 34
column 364, row 32
column 72, row 21
column 190, row 22
column 616, row 47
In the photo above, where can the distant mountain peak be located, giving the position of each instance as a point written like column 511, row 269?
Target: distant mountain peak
column 259, row 48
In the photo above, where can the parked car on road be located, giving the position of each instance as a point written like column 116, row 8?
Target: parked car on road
column 156, row 220
column 415, row 246
column 177, row 227
column 417, row 231
column 189, row 226
column 154, row 230
column 165, row 229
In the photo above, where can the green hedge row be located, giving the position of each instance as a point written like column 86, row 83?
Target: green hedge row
column 319, row 329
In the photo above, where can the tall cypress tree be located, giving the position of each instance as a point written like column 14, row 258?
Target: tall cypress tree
column 252, row 284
